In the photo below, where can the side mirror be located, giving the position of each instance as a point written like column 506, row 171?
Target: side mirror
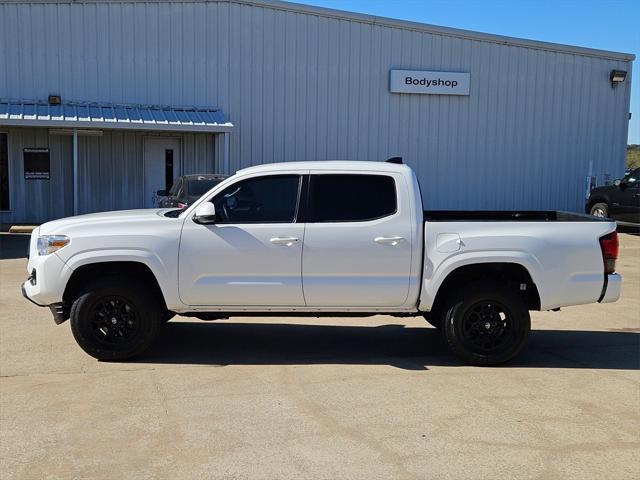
column 162, row 193
column 205, row 214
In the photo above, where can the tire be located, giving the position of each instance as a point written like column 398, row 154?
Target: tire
column 486, row 324
column 135, row 319
column 599, row 209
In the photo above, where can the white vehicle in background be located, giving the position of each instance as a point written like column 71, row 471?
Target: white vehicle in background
column 319, row 238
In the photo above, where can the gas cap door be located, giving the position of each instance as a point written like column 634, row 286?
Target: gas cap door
column 448, row 242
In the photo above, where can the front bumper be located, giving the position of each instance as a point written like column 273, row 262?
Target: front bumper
column 611, row 291
column 51, row 276
column 25, row 295
column 60, row 310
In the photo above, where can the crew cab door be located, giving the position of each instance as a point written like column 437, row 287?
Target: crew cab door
column 252, row 254
column 627, row 208
column 357, row 246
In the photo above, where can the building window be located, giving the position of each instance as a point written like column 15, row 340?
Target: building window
column 4, row 172
column 168, row 168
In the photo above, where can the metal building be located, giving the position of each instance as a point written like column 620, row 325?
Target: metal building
column 103, row 102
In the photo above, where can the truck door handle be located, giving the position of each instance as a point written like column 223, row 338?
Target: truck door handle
column 288, row 241
column 393, row 240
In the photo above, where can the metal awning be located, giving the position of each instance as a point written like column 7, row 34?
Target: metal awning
column 34, row 113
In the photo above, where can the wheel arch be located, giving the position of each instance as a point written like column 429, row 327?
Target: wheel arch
column 511, row 274
column 131, row 269
column 600, row 198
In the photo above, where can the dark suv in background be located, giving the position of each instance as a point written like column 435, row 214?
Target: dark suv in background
column 620, row 201
column 187, row 189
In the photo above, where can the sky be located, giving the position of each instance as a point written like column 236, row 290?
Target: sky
column 605, row 24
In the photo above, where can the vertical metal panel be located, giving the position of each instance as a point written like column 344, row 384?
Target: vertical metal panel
column 111, row 167
column 302, row 86
column 39, row 200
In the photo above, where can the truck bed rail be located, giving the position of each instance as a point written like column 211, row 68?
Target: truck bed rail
column 507, row 216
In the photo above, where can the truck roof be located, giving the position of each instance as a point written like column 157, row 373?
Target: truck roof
column 328, row 165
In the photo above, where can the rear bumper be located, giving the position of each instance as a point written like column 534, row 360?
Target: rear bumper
column 611, row 290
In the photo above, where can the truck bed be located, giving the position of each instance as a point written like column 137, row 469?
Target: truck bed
column 507, row 216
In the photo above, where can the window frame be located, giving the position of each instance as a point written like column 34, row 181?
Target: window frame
column 299, row 197
column 9, row 168
column 309, row 204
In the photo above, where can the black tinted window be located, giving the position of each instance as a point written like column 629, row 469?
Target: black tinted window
column 351, row 198
column 197, row 188
column 175, row 188
column 259, row 200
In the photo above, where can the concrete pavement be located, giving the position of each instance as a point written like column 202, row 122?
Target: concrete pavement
column 322, row 399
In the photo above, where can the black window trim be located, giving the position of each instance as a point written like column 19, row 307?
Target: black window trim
column 9, row 208
column 309, row 199
column 279, row 174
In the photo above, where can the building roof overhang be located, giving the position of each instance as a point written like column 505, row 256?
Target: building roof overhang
column 117, row 116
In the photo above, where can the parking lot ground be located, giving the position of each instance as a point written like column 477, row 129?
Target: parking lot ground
column 329, row 398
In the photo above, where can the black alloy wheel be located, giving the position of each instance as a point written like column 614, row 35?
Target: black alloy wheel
column 116, row 318
column 487, row 328
column 486, row 323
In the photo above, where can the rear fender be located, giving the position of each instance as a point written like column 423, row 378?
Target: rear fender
column 434, row 277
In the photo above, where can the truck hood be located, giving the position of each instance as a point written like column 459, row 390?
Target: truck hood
column 63, row 225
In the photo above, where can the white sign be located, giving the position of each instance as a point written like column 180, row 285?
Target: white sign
column 434, row 83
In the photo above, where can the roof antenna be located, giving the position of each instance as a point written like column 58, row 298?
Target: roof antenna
column 397, row 160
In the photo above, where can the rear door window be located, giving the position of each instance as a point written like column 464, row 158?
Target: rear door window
column 351, row 197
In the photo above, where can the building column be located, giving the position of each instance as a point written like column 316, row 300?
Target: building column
column 75, row 171
column 227, row 161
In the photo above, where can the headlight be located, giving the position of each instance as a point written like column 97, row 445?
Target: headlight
column 51, row 243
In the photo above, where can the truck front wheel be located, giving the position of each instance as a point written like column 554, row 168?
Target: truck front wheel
column 486, row 324
column 115, row 318
column 600, row 209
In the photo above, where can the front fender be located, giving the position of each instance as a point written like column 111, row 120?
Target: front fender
column 166, row 275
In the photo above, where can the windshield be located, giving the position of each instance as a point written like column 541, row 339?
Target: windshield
column 174, row 189
column 197, row 188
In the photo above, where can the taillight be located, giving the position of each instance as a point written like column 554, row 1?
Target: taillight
column 609, row 246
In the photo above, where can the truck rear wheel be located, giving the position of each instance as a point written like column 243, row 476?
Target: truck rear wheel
column 486, row 324
column 115, row 319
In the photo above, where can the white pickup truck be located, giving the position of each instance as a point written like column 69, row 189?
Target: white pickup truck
column 317, row 239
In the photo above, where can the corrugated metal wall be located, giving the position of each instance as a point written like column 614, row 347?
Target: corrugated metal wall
column 110, row 172
column 300, row 86
column 111, row 167
column 39, row 200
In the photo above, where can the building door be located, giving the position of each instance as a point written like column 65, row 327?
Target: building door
column 162, row 160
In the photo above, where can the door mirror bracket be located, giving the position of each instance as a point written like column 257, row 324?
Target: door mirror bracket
column 205, row 214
